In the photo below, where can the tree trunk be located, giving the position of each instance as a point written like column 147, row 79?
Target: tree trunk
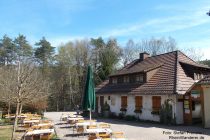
column 21, row 107
column 57, row 106
column 8, row 111
column 16, row 120
column 70, row 88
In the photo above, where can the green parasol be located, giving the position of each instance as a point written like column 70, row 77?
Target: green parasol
column 89, row 97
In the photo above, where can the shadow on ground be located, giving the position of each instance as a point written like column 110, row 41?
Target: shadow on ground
column 196, row 129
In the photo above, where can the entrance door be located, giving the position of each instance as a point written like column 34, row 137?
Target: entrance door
column 101, row 101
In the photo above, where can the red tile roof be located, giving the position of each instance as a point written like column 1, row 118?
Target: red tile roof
column 170, row 78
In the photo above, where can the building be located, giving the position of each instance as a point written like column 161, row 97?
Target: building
column 197, row 103
column 146, row 83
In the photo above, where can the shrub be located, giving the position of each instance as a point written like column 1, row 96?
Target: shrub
column 166, row 114
column 155, row 112
column 130, row 118
column 106, row 107
column 113, row 115
column 121, row 116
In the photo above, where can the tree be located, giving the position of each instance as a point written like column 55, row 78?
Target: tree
column 129, row 53
column 7, row 50
column 193, row 53
column 155, row 46
column 109, row 57
column 44, row 53
column 24, row 83
column 23, row 49
column 205, row 62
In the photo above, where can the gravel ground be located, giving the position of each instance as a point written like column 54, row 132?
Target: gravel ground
column 136, row 130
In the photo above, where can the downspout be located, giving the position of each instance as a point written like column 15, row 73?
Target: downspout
column 175, row 83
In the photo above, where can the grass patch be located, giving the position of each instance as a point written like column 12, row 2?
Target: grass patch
column 5, row 132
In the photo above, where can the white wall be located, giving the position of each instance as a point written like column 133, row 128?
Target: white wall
column 115, row 105
column 179, row 113
column 197, row 112
column 206, row 107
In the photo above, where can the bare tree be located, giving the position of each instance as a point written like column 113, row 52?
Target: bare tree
column 24, row 84
column 130, row 52
column 193, row 53
column 156, row 46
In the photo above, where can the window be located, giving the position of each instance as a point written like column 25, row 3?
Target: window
column 124, row 102
column 138, row 102
column 132, row 79
column 101, row 101
column 126, row 79
column 193, row 105
column 120, row 79
column 109, row 98
column 114, row 80
column 198, row 76
column 156, row 103
column 139, row 78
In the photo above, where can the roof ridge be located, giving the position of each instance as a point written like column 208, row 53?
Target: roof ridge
column 188, row 57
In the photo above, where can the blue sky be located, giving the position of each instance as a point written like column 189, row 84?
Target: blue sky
column 64, row 20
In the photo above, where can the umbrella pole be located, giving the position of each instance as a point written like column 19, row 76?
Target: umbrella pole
column 90, row 113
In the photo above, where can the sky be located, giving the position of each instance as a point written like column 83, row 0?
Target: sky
column 61, row 21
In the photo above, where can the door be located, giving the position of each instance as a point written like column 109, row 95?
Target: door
column 101, row 101
column 97, row 104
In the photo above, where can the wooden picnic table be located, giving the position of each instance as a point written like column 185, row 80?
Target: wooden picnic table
column 44, row 124
column 112, row 139
column 31, row 121
column 99, row 130
column 13, row 116
column 38, row 132
column 86, row 123
column 74, row 118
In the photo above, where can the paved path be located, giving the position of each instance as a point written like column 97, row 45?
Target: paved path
column 137, row 130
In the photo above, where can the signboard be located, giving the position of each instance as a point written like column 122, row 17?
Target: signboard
column 195, row 93
column 186, row 104
column 187, row 111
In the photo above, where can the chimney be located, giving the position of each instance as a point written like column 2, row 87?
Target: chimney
column 143, row 56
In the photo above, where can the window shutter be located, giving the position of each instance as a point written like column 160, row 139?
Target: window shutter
column 138, row 102
column 124, row 101
column 156, row 102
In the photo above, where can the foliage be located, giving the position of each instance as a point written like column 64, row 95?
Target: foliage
column 130, row 118
column 166, row 114
column 44, row 54
column 121, row 115
column 23, row 49
column 113, row 115
column 155, row 112
column 205, row 62
column 106, row 107
column 7, row 50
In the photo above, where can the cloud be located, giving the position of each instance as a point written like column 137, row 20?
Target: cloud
column 165, row 24
column 57, row 41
